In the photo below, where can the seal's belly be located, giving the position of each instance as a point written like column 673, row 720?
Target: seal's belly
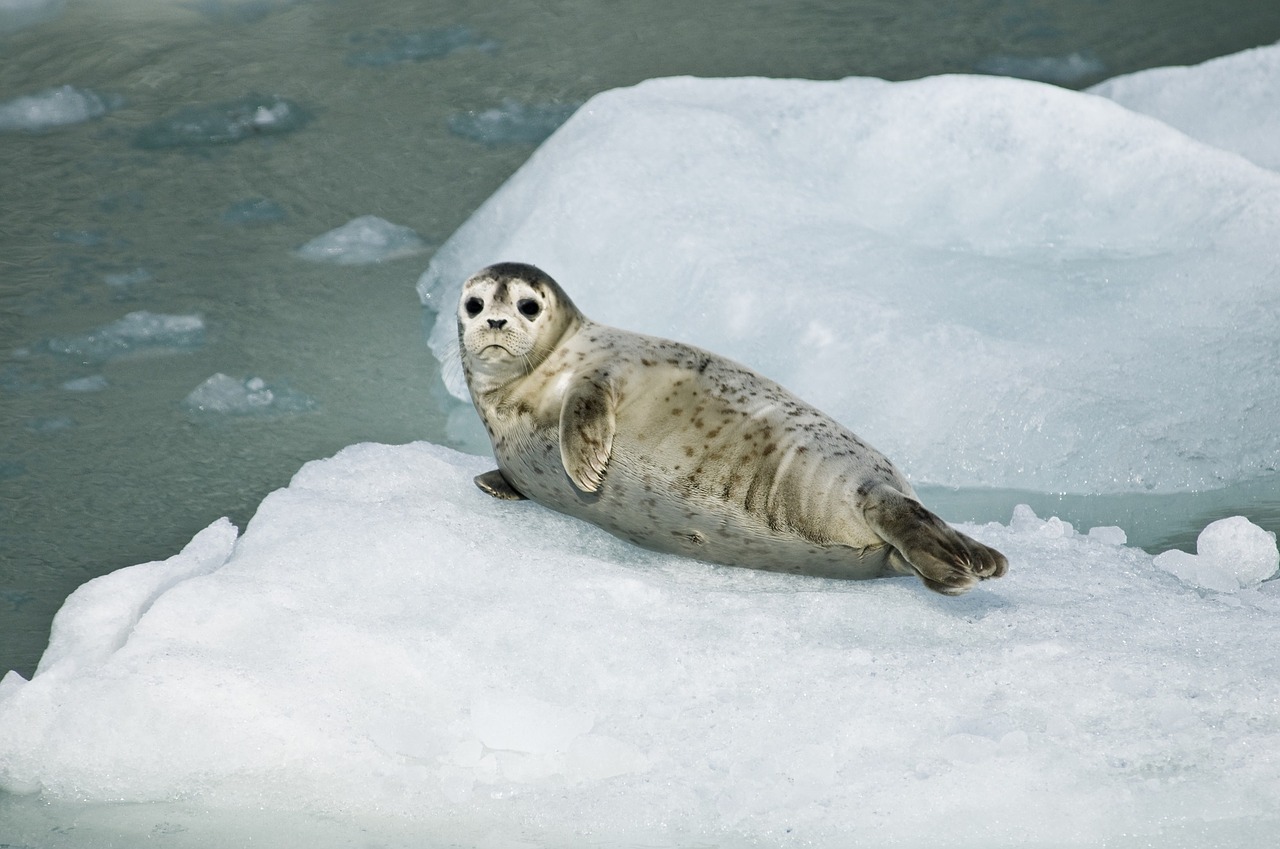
column 708, row 515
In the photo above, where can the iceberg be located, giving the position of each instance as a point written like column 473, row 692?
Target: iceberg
column 999, row 283
column 363, row 240
column 385, row 649
column 1232, row 102
column 55, row 107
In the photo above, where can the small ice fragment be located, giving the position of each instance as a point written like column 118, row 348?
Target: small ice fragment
column 93, row 383
column 512, row 122
column 224, row 123
column 1230, row 554
column 51, row 108
column 1109, row 534
column 387, row 47
column 123, row 279
column 255, row 210
column 138, row 332
column 229, row 396
column 363, row 240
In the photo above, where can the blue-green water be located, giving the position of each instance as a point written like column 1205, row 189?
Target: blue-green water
column 102, row 465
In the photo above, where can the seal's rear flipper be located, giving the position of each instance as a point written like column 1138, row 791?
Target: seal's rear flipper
column 496, row 485
column 945, row 559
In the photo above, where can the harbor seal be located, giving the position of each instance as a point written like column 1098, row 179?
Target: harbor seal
column 679, row 450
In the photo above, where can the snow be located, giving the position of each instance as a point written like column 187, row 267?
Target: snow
column 51, row 108
column 363, row 240
column 998, row 283
column 1232, row 102
column 386, row 644
column 196, row 125
column 137, row 333
column 223, row 395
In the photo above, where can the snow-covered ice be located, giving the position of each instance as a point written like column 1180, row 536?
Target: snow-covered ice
column 135, row 334
column 386, row 642
column 251, row 116
column 384, row 47
column 223, row 395
column 996, row 282
column 54, row 107
column 1232, row 102
column 363, row 240
column 512, row 122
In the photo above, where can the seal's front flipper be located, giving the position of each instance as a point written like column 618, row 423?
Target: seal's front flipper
column 587, row 426
column 945, row 559
column 496, row 485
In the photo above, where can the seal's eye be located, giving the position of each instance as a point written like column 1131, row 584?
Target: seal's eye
column 529, row 308
column 473, row 306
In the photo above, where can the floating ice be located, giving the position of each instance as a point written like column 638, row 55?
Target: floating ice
column 125, row 279
column 512, row 122
column 253, row 211
column 1059, row 70
column 384, row 47
column 363, row 240
column 92, row 383
column 54, row 107
column 1232, row 102
column 995, row 282
column 137, row 333
column 229, row 396
column 252, row 116
column 385, row 647
column 1230, row 554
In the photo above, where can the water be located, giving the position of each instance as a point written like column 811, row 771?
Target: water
column 97, row 223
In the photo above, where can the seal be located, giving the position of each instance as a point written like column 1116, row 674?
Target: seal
column 679, row 450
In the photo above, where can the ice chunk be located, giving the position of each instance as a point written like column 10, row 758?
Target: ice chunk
column 252, row 116
column 1230, row 554
column 512, row 122
column 254, row 210
column 229, row 396
column 1060, row 70
column 388, row 648
column 93, row 383
column 1109, row 534
column 54, row 107
column 384, row 47
column 137, row 333
column 1232, row 102
column 125, row 279
column 363, row 240
column 973, row 256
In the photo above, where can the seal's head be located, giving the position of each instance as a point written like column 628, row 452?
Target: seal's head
column 511, row 316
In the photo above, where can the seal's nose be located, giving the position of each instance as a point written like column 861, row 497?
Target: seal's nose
column 497, row 323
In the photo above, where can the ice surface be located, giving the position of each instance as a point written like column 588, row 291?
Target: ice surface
column 1230, row 554
column 1061, row 70
column 996, row 282
column 136, row 333
column 54, row 107
column 512, row 122
column 222, row 395
column 1232, row 102
column 363, row 240
column 384, row 47
column 252, row 116
column 385, row 644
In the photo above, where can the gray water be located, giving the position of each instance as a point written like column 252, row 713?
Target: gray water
column 96, row 222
